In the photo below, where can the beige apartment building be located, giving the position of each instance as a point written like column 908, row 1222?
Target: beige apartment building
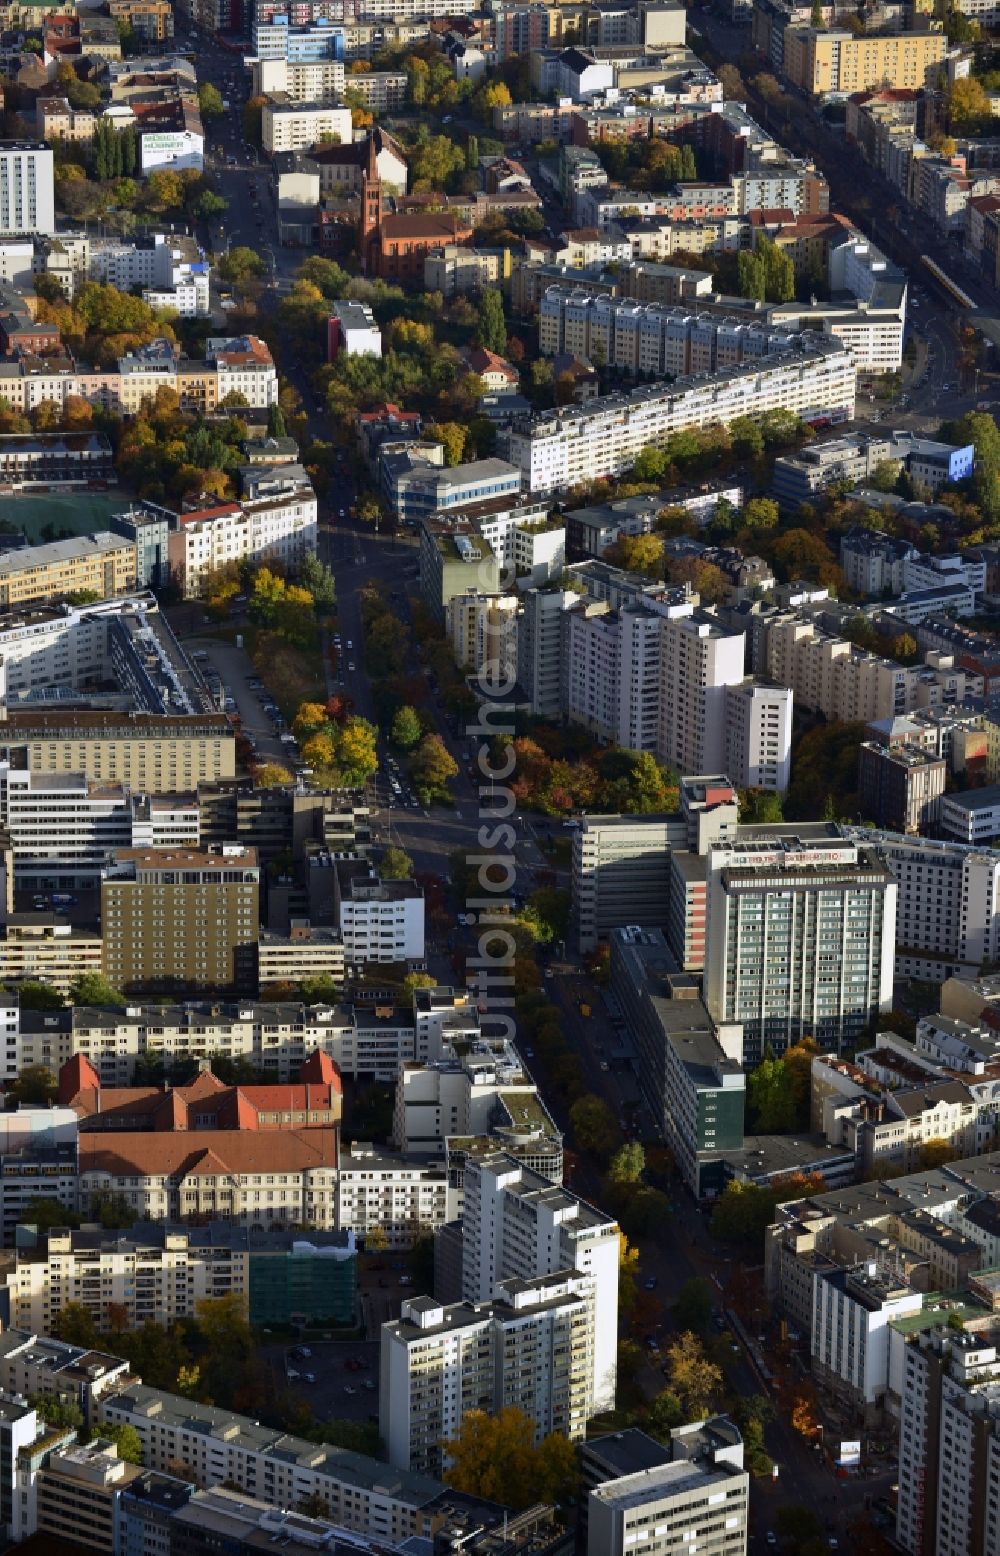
column 54, row 952
column 57, row 121
column 103, row 563
column 150, row 753
column 182, row 917
column 819, row 62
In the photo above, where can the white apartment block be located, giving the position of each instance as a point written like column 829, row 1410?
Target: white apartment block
column 64, row 828
column 244, row 366
column 361, row 1040
column 289, row 126
column 947, row 906
column 461, row 1094
column 849, row 1342
column 381, row 921
column 949, row 1444
column 540, row 662
column 27, row 200
column 163, row 266
column 282, row 528
column 648, row 338
column 219, row 1446
column 613, row 663
column 482, row 631
column 305, row 81
column 830, row 675
column 401, row 1197
column 701, row 659
column 699, row 1501
column 518, row 1225
column 758, row 735
column 799, row 940
column 157, row 1278
column 557, row 449
column 530, row 1348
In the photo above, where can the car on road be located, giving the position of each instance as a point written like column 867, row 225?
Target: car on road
column 349, row 1389
column 771, row 1537
column 605, row 1065
column 351, row 665
column 652, row 1283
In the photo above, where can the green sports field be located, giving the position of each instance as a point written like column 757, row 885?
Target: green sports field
column 78, row 512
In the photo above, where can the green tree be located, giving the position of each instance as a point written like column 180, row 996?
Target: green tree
column 772, row 1098
column 760, row 807
column 628, row 1163
column 316, row 577
column 406, row 729
column 57, row 1412
column 45, row 1213
column 276, row 422
column 545, row 914
column 75, row 1325
column 472, row 153
column 761, row 513
column 35, row 1084
column 395, row 865
column 491, row 326
column 210, row 101
column 693, row 1307
column 665, row 1412
column 593, row 1126
column 94, row 989
column 239, row 264
column 432, row 766
column 126, row 1439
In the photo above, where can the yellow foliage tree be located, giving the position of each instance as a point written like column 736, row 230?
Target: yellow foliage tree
column 696, row 1380
column 628, row 1269
column 495, row 1457
column 319, row 750
column 312, row 716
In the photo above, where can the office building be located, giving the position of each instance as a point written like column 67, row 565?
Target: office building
column 27, row 202
column 77, row 1493
column 689, row 1070
column 379, row 921
column 291, row 126
column 900, row 787
column 477, row 1089
column 800, row 938
column 972, row 817
column 948, row 911
column 529, row 1348
column 181, row 918
column 20, row 1428
column 621, row 872
column 517, row 1225
column 699, row 1498
column 351, row 329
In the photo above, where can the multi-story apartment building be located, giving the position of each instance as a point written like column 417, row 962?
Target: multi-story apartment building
column 299, row 81
column 820, row 61
column 800, row 937
column 76, row 1493
column 558, row 449
column 219, row 1446
column 518, row 1225
column 52, row 952
column 399, row 1196
column 530, row 1347
column 482, row 632
column 700, row 660
column 103, row 564
column 949, row 1443
column 758, row 724
column 181, row 918
column 27, row 201
column 294, row 126
column 243, row 366
column 481, row 1089
column 279, row 528
column 690, row 1071
column 541, row 666
column 948, row 911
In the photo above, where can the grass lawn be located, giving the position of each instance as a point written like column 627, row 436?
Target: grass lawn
column 79, row 512
column 291, row 675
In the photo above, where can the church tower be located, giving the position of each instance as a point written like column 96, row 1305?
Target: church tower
column 371, row 211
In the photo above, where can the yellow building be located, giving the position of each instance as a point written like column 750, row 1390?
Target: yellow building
column 820, row 62
column 182, row 917
column 104, row 564
column 151, row 753
column 149, row 19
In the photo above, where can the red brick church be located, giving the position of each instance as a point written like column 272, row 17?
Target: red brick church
column 394, row 247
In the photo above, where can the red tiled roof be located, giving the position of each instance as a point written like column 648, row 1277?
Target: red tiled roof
column 238, row 1152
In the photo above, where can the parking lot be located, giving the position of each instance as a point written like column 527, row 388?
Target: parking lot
column 249, row 699
column 338, row 1378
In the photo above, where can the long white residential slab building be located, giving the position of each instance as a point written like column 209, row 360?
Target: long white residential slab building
column 806, row 375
